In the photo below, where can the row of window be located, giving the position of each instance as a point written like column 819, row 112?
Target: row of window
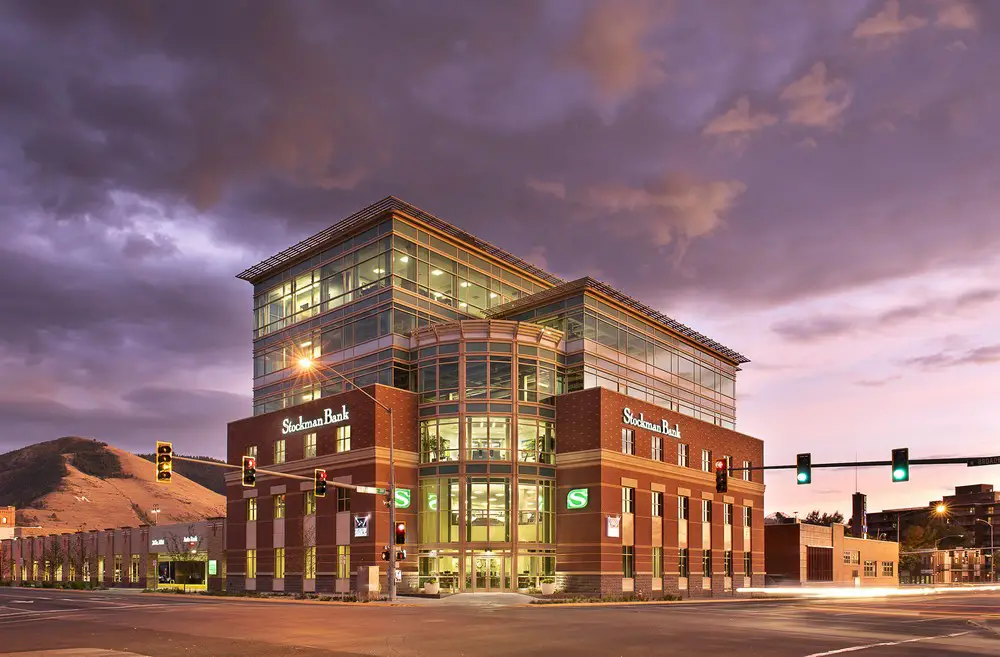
column 308, row 503
column 487, row 438
column 683, row 454
column 308, row 562
column 342, row 443
column 871, row 569
column 684, row 562
column 684, row 507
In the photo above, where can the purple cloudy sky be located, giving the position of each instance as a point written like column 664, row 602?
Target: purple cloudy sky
column 811, row 183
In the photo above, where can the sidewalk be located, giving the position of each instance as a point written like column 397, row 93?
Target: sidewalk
column 72, row 652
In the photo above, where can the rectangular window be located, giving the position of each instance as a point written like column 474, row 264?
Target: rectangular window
column 279, row 563
column 343, row 561
column 706, row 563
column 683, row 455
column 683, row 507
column 343, row 499
column 748, row 516
column 870, row 569
column 657, row 504
column 252, row 451
column 748, row 563
column 683, row 567
column 133, row 572
column 657, row 448
column 344, row 438
column 706, row 460
column 309, row 446
column 251, row 564
column 706, row 510
column 310, row 503
column 888, row 568
column 309, row 562
column 746, row 471
column 727, row 513
column 628, row 500
column 657, row 562
column 727, row 562
column 279, row 451
column 118, row 569
column 628, row 441
column 628, row 561
column 279, row 506
column 251, row 509
column 852, row 557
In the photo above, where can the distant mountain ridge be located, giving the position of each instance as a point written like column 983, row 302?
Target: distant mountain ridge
column 75, row 483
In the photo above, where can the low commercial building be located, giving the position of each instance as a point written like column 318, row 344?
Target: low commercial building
column 7, row 522
column 188, row 555
column 946, row 567
column 801, row 554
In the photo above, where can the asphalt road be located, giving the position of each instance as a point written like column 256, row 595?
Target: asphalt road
column 163, row 626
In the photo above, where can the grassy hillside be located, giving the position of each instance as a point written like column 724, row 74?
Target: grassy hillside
column 209, row 476
column 30, row 473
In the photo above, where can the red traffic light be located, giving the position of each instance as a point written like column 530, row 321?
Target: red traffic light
column 719, row 465
column 400, row 533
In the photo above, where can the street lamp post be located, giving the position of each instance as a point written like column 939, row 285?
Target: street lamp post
column 993, row 554
column 939, row 510
column 308, row 364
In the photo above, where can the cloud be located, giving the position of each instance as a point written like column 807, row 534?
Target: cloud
column 820, row 327
column 551, row 188
column 986, row 355
column 888, row 22
column 670, row 207
column 956, row 15
column 816, row 101
column 739, row 120
column 877, row 383
column 611, row 46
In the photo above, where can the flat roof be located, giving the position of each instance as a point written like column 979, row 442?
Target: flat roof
column 370, row 215
column 588, row 283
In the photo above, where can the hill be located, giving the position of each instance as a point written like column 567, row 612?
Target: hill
column 74, row 483
column 208, row 476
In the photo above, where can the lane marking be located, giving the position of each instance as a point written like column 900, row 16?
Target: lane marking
column 887, row 643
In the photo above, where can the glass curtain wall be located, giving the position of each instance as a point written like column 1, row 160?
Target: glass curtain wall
column 484, row 523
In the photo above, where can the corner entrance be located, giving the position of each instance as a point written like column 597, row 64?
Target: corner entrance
column 486, row 572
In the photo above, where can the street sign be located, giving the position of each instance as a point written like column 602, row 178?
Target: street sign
column 402, row 498
column 983, row 460
column 371, row 490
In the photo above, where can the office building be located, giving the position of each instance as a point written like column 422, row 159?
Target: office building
column 542, row 429
column 972, row 510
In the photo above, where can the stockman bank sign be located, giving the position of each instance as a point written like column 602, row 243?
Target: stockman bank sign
column 641, row 422
column 577, row 498
column 289, row 425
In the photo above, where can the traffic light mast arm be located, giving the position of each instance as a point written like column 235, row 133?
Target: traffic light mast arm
column 857, row 464
column 267, row 472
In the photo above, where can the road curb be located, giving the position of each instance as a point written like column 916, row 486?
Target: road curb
column 692, row 603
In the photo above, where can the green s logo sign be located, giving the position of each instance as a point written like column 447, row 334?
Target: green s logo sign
column 577, row 498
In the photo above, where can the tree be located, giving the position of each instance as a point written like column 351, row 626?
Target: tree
column 933, row 533
column 827, row 519
column 6, row 561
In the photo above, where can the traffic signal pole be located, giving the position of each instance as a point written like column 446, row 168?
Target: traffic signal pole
column 970, row 461
column 273, row 473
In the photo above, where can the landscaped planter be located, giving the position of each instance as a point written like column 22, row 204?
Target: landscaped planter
column 548, row 588
column 432, row 588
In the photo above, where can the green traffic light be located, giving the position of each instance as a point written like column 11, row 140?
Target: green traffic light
column 899, row 474
column 803, row 477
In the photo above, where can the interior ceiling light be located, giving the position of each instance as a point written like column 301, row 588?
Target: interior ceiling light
column 404, row 259
column 436, row 272
column 464, row 284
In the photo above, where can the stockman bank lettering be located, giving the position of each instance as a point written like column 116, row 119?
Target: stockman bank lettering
column 329, row 417
column 663, row 427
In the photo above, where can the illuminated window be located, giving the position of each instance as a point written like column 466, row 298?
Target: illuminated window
column 309, row 562
column 133, row 573
column 343, row 561
column 628, row 500
column 344, row 438
column 683, row 507
column 727, row 513
column 727, row 563
column 683, row 455
column 746, row 471
column 279, row 563
column 706, row 510
column 279, row 506
column 657, row 448
column 309, row 446
column 657, row 562
column 251, row 509
column 279, row 451
column 251, row 564
column 657, row 504
column 310, row 503
column 628, row 441
column 628, row 561
column 252, row 451
column 706, row 460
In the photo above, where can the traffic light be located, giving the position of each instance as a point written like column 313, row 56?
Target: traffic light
column 803, row 469
column 319, row 482
column 721, row 476
column 385, row 554
column 249, row 471
column 901, row 464
column 164, row 462
column 400, row 533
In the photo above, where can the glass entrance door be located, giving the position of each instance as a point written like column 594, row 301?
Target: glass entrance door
column 484, row 572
